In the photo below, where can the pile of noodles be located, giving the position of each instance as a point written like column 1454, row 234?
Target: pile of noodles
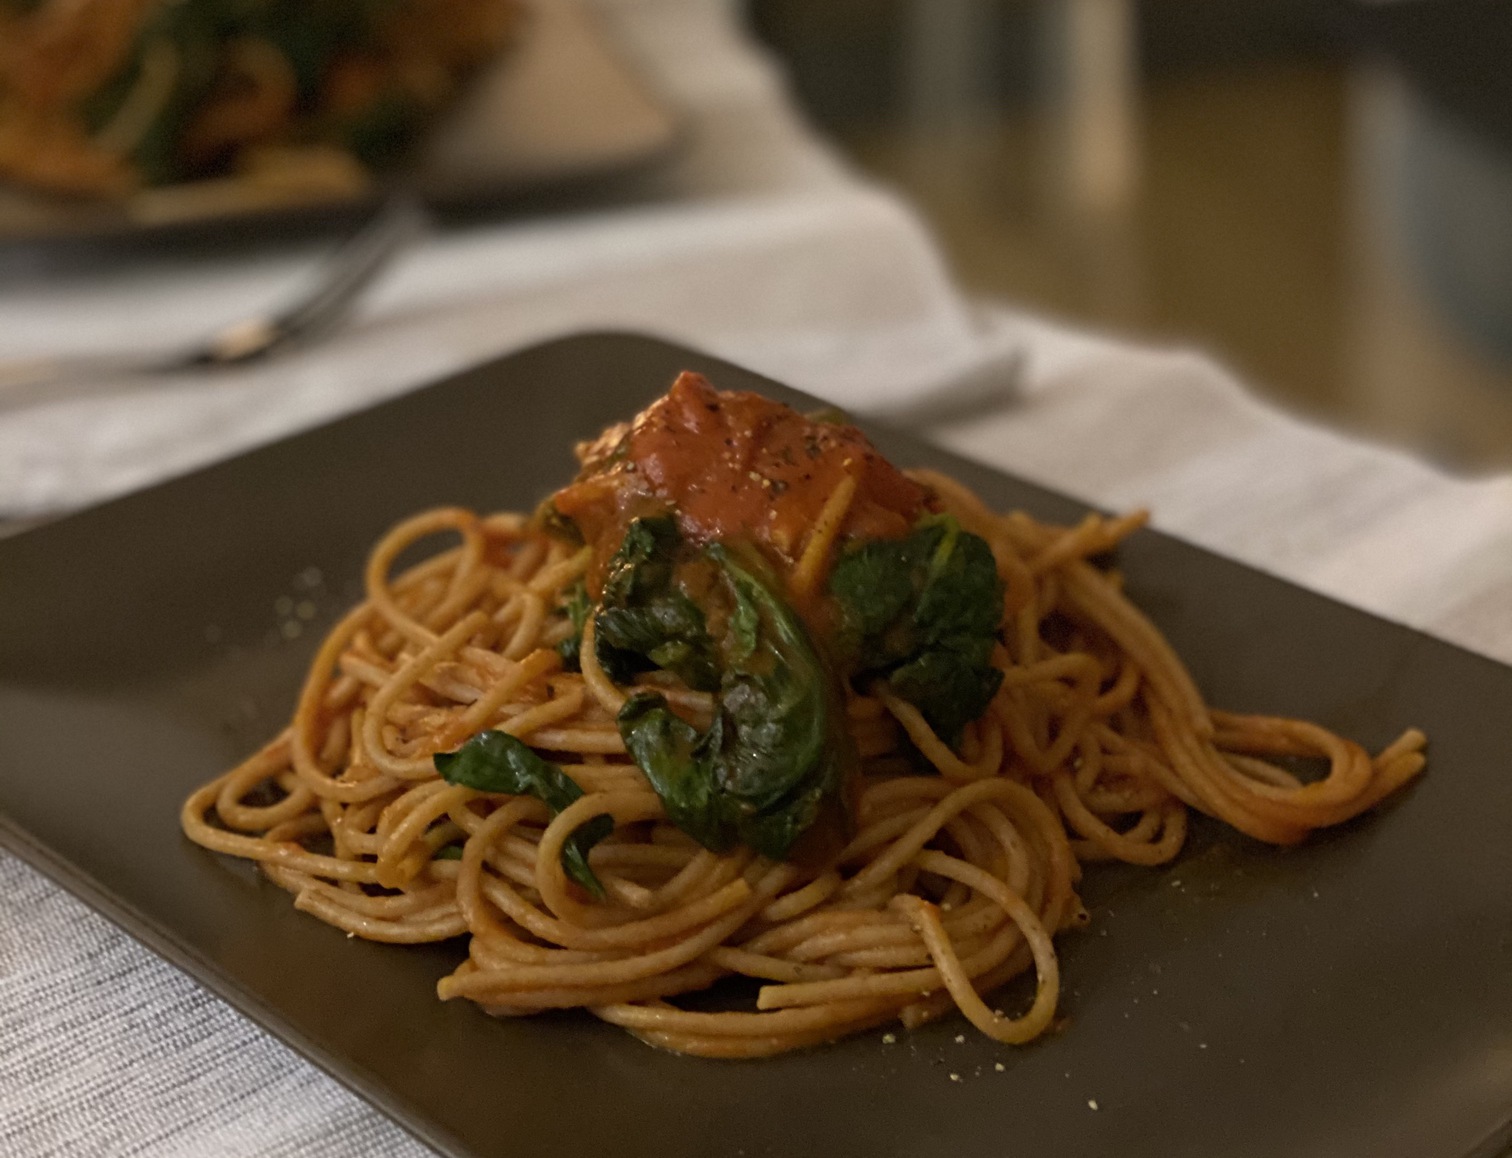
column 1095, row 748
column 56, row 55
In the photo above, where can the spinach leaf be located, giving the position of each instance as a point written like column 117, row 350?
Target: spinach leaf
column 577, row 607
column 642, row 566
column 922, row 613
column 312, row 36
column 558, row 525
column 744, row 626
column 645, row 620
column 829, row 416
column 381, row 132
column 874, row 589
column 775, row 753
column 675, row 758
column 772, row 703
column 495, row 761
column 194, row 33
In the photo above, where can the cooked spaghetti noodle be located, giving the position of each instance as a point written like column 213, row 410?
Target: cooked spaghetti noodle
column 957, row 869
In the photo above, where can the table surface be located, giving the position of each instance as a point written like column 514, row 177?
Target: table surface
column 1318, row 194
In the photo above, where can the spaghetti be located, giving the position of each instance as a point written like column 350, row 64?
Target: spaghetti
column 957, row 867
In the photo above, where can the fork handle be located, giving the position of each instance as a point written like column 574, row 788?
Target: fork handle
column 24, row 372
column 25, row 381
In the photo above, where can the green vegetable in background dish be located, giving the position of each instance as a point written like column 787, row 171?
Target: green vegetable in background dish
column 310, row 34
column 185, row 42
column 922, row 614
column 381, row 133
column 495, row 761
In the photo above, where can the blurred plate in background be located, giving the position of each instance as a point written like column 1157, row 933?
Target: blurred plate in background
column 558, row 107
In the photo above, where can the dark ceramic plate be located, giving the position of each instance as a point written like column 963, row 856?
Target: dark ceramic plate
column 1351, row 998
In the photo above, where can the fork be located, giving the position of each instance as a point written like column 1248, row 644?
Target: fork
column 399, row 220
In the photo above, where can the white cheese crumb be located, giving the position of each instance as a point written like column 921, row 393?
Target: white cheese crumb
column 889, row 1038
column 998, row 1066
column 955, row 1077
column 1092, row 1103
column 960, row 1039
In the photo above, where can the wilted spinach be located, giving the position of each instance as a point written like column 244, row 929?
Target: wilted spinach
column 762, row 772
column 495, row 761
column 556, row 524
column 675, row 758
column 922, row 613
column 644, row 619
column 576, row 606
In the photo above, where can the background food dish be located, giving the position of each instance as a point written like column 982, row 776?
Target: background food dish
column 557, row 105
column 1350, row 994
column 101, row 99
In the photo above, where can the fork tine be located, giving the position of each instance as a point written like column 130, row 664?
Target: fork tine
column 399, row 220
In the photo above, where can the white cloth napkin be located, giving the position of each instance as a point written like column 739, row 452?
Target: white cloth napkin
column 759, row 246
column 1172, row 431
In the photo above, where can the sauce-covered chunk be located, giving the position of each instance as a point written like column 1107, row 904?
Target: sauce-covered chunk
column 735, row 467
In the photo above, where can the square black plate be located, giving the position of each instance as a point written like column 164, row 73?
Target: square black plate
column 1349, row 998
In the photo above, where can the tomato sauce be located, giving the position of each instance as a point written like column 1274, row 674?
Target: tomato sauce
column 734, row 466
